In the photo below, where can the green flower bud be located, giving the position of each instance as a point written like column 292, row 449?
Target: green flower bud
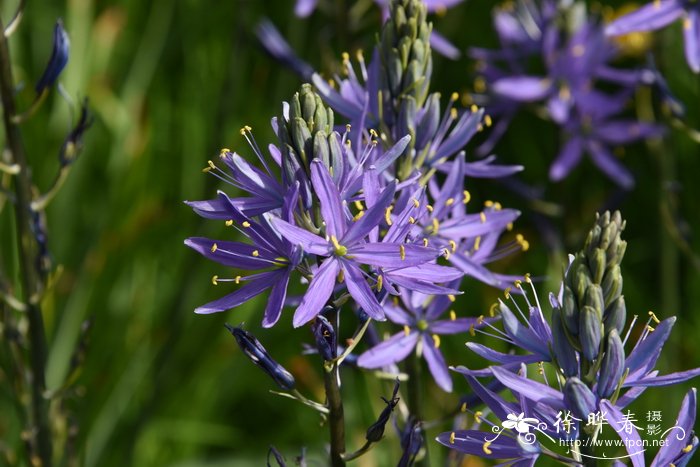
column 589, row 333
column 615, row 316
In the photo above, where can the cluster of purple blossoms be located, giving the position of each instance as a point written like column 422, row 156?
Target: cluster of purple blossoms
column 581, row 91
column 593, row 374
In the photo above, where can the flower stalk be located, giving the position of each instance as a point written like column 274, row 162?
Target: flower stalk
column 40, row 446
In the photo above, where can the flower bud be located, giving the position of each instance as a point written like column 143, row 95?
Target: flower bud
column 570, row 312
column 258, row 355
column 612, row 367
column 579, row 398
column 612, row 284
column 376, row 430
column 563, row 349
column 58, row 59
column 411, row 442
column 594, row 299
column 615, row 315
column 326, row 340
column 589, row 333
column 597, row 262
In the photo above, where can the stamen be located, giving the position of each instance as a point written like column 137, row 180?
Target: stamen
column 453, row 315
column 452, row 438
column 358, row 216
column 453, row 245
column 214, row 247
column 429, row 208
column 487, row 120
column 482, row 216
column 436, row 341
column 416, row 204
column 450, row 202
column 256, row 253
column 436, row 226
column 467, row 196
column 229, row 223
column 358, row 205
column 454, row 97
column 463, row 408
column 380, row 283
column 406, row 330
column 477, row 243
column 411, row 220
column 425, row 242
column 653, row 316
column 387, row 215
column 451, row 298
column 402, row 252
column 215, row 280
column 477, row 416
column 245, row 224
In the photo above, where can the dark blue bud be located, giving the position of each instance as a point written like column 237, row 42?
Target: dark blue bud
column 613, row 365
column 258, row 355
column 278, row 457
column 579, row 398
column 376, row 430
column 58, row 59
column 74, row 141
column 325, row 336
column 589, row 332
column 411, row 442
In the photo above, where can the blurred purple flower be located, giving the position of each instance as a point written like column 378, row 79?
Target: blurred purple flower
column 58, row 59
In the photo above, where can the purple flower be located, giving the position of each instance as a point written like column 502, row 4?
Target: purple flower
column 271, row 257
column 660, row 13
column 278, row 48
column 345, row 249
column 419, row 315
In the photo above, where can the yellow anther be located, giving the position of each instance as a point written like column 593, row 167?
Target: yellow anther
column 248, row 128
column 650, row 328
column 436, row 341
column 211, row 165
column 360, row 55
column 467, row 196
column 224, row 151
column 518, row 283
column 246, row 224
column 653, row 316
column 487, row 120
column 436, row 226
column 229, row 223
column 488, row 203
column 415, row 203
column 525, row 245
column 477, row 416
column 450, row 202
column 688, row 448
column 477, row 243
column 472, row 332
column 348, row 127
column 214, row 247
column 454, row 97
column 358, row 216
column 474, row 108
column 452, row 298
column 540, row 368
column 482, row 216
column 453, row 246
column 256, row 253
column 509, row 226
column 480, row 320
column 527, row 278
column 387, row 215
column 358, row 205
column 373, row 133
column 453, row 315
column 463, row 408
column 453, row 113
column 446, row 253
column 492, row 310
column 506, row 293
column 380, row 283
column 402, row 252
column 411, row 220
column 486, row 449
column 345, row 56
column 215, row 280
column 452, row 438
column 341, row 276
column 206, row 169
column 425, row 242
column 406, row 330
column 428, row 208
column 237, row 280
column 497, row 206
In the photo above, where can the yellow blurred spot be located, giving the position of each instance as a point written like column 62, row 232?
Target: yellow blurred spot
column 436, row 341
column 215, row 280
column 246, row 224
column 256, row 253
column 214, row 247
column 453, row 315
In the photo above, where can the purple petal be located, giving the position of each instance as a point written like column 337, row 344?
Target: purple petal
column 240, row 296
column 349, row 109
column 396, row 314
column 317, row 294
column 665, row 380
column 655, row 15
column 523, row 88
column 360, row 291
column 436, row 364
column 643, row 357
column 372, row 217
column 621, row 424
column 392, row 350
column 454, row 326
column 309, row 242
column 499, row 357
column 474, row 441
column 691, row 32
column 421, row 286
column 304, row 8
column 681, row 434
column 275, row 301
column 530, row 389
column 444, row 47
column 568, row 158
column 331, row 206
column 625, row 131
column 389, row 254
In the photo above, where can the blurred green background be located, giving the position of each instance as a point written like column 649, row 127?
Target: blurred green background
column 170, row 83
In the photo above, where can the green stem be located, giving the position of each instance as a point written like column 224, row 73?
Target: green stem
column 31, row 281
column 336, row 418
